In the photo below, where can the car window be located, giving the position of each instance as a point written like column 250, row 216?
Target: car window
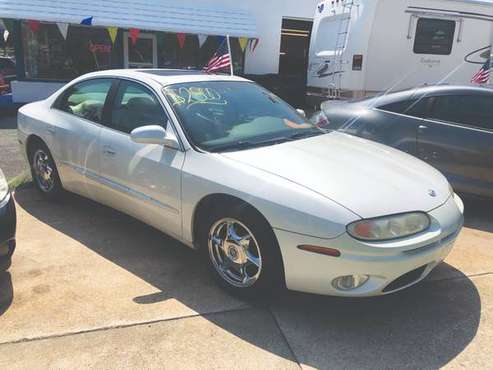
column 434, row 36
column 135, row 106
column 476, row 111
column 411, row 107
column 86, row 99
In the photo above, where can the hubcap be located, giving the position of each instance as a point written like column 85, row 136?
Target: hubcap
column 43, row 172
column 234, row 252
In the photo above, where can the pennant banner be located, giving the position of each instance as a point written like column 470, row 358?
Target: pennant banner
column 87, row 21
column 243, row 43
column 202, row 39
column 181, row 39
column 112, row 31
column 63, row 28
column 134, row 34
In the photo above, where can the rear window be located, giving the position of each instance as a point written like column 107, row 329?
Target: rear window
column 434, row 36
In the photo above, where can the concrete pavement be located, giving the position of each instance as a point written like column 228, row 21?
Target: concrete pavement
column 92, row 288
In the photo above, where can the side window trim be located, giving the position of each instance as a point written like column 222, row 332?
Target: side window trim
column 109, row 103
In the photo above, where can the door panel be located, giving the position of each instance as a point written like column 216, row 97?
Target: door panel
column 78, row 114
column 461, row 152
column 142, row 180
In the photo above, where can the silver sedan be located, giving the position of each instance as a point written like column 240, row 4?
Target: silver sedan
column 229, row 169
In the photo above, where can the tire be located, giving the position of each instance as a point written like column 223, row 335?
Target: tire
column 44, row 172
column 268, row 280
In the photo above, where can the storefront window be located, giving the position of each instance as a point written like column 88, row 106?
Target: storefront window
column 48, row 56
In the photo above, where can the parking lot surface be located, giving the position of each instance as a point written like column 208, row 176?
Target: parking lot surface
column 90, row 287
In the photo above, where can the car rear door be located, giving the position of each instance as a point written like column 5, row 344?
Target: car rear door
column 143, row 180
column 77, row 116
column 456, row 137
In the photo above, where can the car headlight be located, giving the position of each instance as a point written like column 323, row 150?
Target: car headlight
column 4, row 186
column 389, row 227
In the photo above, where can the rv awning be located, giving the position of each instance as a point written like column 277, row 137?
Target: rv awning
column 155, row 15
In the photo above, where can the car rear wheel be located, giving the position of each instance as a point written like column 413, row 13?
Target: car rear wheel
column 242, row 252
column 44, row 172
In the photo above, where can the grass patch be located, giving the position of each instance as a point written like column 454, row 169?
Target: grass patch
column 20, row 180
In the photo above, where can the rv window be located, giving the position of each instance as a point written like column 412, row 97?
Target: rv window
column 434, row 36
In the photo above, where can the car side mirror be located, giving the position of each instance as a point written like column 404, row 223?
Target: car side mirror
column 301, row 112
column 154, row 134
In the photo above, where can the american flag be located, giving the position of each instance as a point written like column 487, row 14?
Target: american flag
column 220, row 59
column 483, row 75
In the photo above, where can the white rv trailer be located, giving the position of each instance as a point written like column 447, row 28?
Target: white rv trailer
column 365, row 47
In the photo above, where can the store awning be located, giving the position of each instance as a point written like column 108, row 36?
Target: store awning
column 155, row 15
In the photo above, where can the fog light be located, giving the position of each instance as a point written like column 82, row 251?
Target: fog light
column 349, row 282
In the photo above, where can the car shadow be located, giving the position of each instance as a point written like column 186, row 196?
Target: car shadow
column 6, row 291
column 423, row 327
column 478, row 213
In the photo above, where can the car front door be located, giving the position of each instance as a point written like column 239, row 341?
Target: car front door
column 143, row 180
column 78, row 114
column 456, row 137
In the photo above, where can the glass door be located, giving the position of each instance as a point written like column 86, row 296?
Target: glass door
column 142, row 53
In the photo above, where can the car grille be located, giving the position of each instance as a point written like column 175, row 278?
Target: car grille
column 405, row 279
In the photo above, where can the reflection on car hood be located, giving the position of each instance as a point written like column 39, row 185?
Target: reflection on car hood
column 368, row 178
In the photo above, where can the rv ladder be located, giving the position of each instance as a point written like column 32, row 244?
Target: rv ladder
column 341, row 40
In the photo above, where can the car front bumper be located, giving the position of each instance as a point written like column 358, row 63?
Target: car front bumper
column 391, row 266
column 7, row 230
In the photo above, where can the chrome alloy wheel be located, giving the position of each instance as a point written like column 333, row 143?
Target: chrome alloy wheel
column 43, row 171
column 234, row 252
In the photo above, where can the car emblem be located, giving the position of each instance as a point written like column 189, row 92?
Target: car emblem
column 432, row 193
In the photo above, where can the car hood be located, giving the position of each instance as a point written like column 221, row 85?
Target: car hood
column 368, row 178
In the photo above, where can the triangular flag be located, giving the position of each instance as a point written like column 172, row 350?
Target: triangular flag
column 112, row 31
column 87, row 21
column 63, row 28
column 33, row 25
column 2, row 25
column 202, row 39
column 134, row 34
column 243, row 43
column 253, row 44
column 181, row 39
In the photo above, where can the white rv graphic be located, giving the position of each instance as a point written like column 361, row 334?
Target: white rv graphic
column 365, row 47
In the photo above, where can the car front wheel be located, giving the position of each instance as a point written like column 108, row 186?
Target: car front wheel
column 243, row 252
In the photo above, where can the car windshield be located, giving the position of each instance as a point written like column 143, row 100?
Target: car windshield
column 233, row 115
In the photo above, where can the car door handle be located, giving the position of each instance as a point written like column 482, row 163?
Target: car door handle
column 422, row 127
column 109, row 151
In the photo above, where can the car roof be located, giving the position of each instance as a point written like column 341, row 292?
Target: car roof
column 164, row 77
column 421, row 92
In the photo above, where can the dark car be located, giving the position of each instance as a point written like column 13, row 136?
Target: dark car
column 450, row 127
column 7, row 224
